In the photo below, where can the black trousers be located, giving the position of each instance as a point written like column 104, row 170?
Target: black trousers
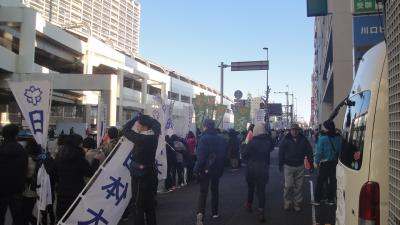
column 144, row 203
column 15, row 204
column 190, row 166
column 48, row 212
column 27, row 208
column 327, row 171
column 205, row 181
column 259, row 188
column 179, row 172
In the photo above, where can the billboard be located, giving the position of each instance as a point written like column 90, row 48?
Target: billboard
column 366, row 6
column 275, row 109
column 367, row 32
column 317, row 8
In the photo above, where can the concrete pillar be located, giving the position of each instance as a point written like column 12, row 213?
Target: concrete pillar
column 163, row 91
column 110, row 100
column 121, row 97
column 144, row 92
column 88, row 112
column 27, row 42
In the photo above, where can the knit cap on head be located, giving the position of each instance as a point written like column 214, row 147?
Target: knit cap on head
column 259, row 129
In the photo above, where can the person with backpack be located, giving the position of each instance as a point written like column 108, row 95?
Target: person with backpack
column 326, row 159
column 209, row 168
column 180, row 149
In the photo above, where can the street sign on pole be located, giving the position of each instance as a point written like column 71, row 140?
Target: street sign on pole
column 250, row 65
column 366, row 6
column 238, row 94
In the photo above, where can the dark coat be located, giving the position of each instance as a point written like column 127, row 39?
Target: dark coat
column 70, row 168
column 144, row 150
column 292, row 152
column 13, row 168
column 210, row 154
column 257, row 153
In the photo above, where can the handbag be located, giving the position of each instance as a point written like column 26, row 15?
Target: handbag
column 306, row 163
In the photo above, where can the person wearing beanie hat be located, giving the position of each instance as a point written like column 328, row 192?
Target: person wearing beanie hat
column 209, row 168
column 292, row 150
column 326, row 158
column 257, row 155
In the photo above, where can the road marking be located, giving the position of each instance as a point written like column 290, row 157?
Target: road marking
column 314, row 221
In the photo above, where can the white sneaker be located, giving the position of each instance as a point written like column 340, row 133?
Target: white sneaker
column 215, row 216
column 199, row 220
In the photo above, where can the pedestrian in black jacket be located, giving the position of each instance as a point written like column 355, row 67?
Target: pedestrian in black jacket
column 257, row 154
column 71, row 168
column 144, row 135
column 13, row 168
column 292, row 150
column 209, row 168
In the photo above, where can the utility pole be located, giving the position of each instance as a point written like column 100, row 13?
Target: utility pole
column 291, row 109
column 267, row 95
column 222, row 66
column 286, row 106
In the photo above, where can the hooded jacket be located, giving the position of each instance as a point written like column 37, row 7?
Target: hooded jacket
column 257, row 153
column 13, row 168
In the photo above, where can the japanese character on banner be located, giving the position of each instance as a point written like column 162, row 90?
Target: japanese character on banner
column 169, row 124
column 158, row 165
column 128, row 160
column 97, row 218
column 113, row 189
column 34, row 96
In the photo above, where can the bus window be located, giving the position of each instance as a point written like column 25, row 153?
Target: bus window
column 354, row 130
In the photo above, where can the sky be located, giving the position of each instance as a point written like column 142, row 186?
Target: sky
column 193, row 37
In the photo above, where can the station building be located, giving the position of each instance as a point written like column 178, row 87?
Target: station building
column 84, row 71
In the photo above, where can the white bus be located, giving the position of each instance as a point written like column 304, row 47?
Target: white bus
column 363, row 168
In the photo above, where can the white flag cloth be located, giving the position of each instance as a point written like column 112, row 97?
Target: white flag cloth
column 159, row 112
column 33, row 98
column 101, row 121
column 43, row 189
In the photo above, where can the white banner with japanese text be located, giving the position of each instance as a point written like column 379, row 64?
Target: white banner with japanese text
column 101, row 120
column 105, row 197
column 33, row 98
column 158, row 112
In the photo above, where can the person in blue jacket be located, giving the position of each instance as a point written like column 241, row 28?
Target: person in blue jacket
column 209, row 167
column 326, row 158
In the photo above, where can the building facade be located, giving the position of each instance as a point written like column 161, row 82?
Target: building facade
column 115, row 22
column 84, row 72
column 333, row 63
column 392, row 33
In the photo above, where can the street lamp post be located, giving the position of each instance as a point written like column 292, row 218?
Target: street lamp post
column 267, row 94
column 222, row 66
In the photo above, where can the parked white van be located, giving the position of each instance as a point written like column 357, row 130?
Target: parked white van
column 362, row 171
